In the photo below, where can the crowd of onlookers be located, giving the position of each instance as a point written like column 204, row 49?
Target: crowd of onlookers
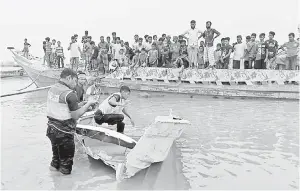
column 185, row 50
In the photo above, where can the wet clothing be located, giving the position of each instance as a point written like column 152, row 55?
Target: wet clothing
column 110, row 114
column 110, row 119
column 61, row 100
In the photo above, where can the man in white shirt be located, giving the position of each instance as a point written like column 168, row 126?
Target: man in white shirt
column 148, row 44
column 239, row 49
column 75, row 53
column 136, row 42
column 116, row 48
column 193, row 36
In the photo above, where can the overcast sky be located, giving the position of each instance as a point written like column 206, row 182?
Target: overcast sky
column 60, row 19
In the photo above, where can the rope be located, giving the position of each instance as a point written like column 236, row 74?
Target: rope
column 33, row 82
column 23, row 92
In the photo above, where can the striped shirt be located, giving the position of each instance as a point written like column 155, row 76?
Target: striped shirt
column 48, row 47
column 59, row 51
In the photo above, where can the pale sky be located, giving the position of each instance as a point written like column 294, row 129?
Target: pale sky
column 60, row 19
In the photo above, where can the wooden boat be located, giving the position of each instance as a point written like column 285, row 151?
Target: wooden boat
column 11, row 71
column 217, row 82
column 124, row 154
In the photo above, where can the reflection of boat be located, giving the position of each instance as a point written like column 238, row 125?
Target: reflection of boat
column 11, row 71
column 218, row 82
column 124, row 154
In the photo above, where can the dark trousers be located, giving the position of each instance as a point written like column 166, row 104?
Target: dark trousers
column 60, row 60
column 236, row 64
column 292, row 63
column 247, row 65
column 260, row 64
column 110, row 119
column 63, row 150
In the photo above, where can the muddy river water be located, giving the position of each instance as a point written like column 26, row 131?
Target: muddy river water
column 231, row 144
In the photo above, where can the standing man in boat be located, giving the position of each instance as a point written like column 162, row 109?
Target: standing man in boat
column 209, row 35
column 26, row 48
column 103, row 57
column 109, row 110
column 75, row 53
column 193, row 36
column 48, row 51
column 63, row 112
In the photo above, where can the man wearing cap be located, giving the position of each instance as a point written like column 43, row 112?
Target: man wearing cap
column 193, row 36
column 62, row 112
column 210, row 35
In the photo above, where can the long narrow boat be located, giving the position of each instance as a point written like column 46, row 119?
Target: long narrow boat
column 124, row 154
column 11, row 71
column 218, row 82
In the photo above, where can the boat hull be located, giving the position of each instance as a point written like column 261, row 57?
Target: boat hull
column 103, row 142
column 200, row 82
column 40, row 77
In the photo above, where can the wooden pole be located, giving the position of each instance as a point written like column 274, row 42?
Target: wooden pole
column 24, row 92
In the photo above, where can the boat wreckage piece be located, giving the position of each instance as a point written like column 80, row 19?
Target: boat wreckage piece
column 124, row 154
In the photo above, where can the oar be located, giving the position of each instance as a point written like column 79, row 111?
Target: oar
column 23, row 92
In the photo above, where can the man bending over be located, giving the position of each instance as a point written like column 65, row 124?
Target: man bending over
column 109, row 110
